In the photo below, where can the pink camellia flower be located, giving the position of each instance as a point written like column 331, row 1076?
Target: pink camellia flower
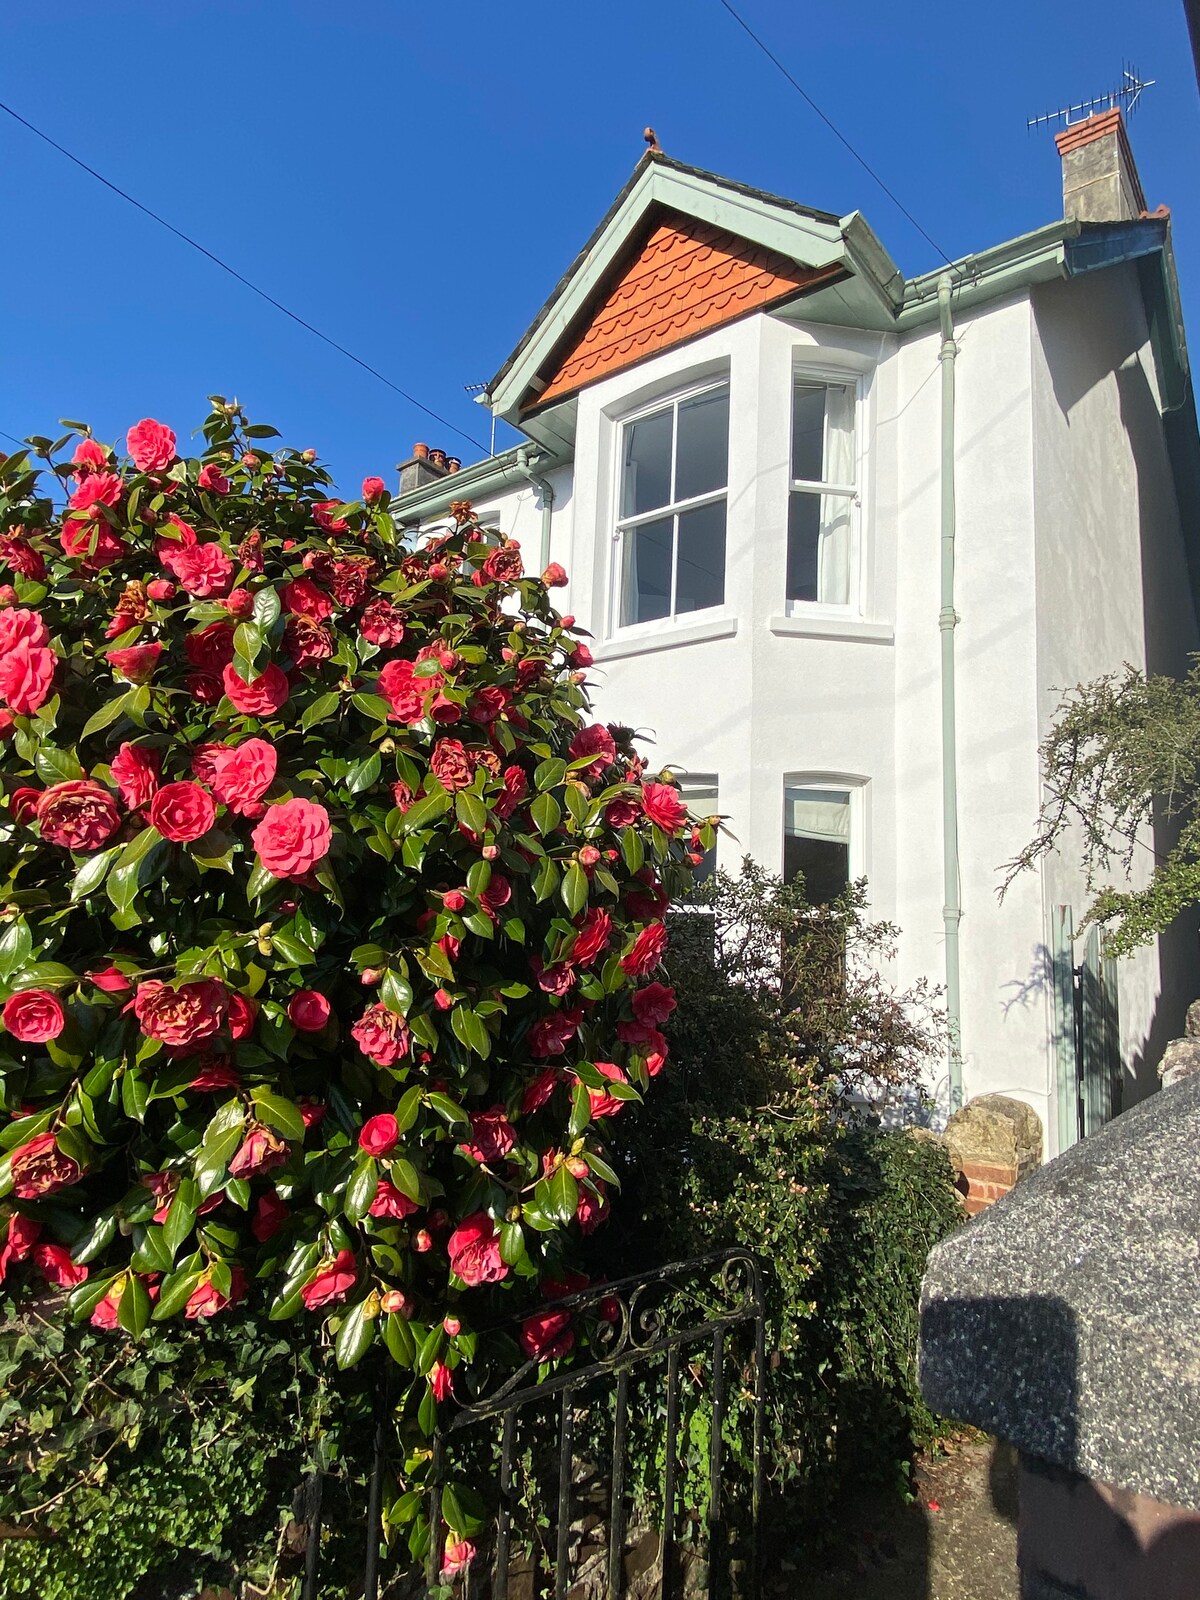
column 457, row 1556
column 595, row 741
column 57, row 1266
column 303, row 597
column 406, row 694
column 105, row 1313
column 382, row 624
column 77, row 814
column 663, row 805
column 174, row 536
column 203, row 570
column 647, row 950
column 239, row 775
column 555, row 576
column 454, row 900
column 381, row 1035
column 547, row 1335
column 91, row 542
column 151, row 445
column 601, row 1102
column 39, row 1168
column 332, row 1283
column 391, row 1203
column 269, row 1216
column 621, row 813
column 136, row 769
column 379, row 1135
column 89, row 457
column 262, row 698
column 474, row 1251
column 136, row 663
column 97, row 489
column 23, row 1234
column 208, row 1301
column 182, row 1016
column 19, row 623
column 182, row 812
column 293, row 838
column 373, row 489
column 212, row 480
column 595, row 930
column 441, row 1380
column 654, row 1003
column 492, row 1136
column 34, row 1015
column 26, row 677
column 262, row 1150
column 452, row 764
column 308, row 1011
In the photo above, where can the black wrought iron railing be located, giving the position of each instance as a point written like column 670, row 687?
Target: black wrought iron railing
column 686, row 1343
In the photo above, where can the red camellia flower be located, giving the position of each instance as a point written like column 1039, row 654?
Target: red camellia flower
column 663, row 805
column 110, row 980
column 40, row 1168
column 441, row 1380
column 373, row 489
column 89, row 457
column 211, row 648
column 492, row 1136
column 647, row 950
column 97, row 489
column 242, row 1016
column 293, row 837
column 308, row 1011
column 457, row 1556
column 592, row 1209
column 539, row 1091
column 547, row 1335
column 654, row 1003
column 304, row 598
column 239, row 775
column 504, row 565
column 391, row 1203
column 151, row 445
column 90, row 541
column 379, row 1135
column 381, row 1035
column 18, row 624
column 262, row 1150
column 601, row 1102
column 212, row 480
column 323, row 516
column 595, row 930
column 135, row 769
column 262, row 698
column 218, row 1074
column 382, row 624
column 331, row 1283
column 270, row 1214
column 136, row 663
column 182, row 812
column 26, row 676
column 34, row 1016
column 57, row 1266
column 597, row 742
column 203, row 569
column 77, row 814
column 182, row 1016
column 23, row 804
column 407, row 694
column 452, row 764
column 474, row 1251
column 555, row 576
column 23, row 1234
column 207, row 1301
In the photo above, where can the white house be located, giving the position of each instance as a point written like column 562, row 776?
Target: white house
column 841, row 536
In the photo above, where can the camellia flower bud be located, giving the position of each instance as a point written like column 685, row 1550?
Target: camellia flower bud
column 162, row 589
column 589, row 856
column 250, row 460
column 422, row 1241
column 370, row 977
column 397, row 1303
column 577, row 1167
column 308, row 455
column 452, row 1327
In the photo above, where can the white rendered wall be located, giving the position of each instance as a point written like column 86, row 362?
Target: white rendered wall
column 1112, row 581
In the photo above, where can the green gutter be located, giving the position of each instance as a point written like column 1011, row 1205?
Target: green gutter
column 508, row 470
column 1033, row 258
column 947, row 622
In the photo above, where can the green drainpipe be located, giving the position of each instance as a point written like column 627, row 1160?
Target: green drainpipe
column 947, row 621
column 542, row 485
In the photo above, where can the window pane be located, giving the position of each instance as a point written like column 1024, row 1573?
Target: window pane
column 700, row 578
column 646, row 465
column 804, row 536
column 701, row 797
column 816, row 843
column 646, row 581
column 808, row 431
column 702, row 450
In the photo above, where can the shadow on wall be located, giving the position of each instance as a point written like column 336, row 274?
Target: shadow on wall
column 1011, row 1365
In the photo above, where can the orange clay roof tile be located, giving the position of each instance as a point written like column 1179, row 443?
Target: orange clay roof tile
column 687, row 278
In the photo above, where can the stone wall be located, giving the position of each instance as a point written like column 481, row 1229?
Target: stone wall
column 994, row 1141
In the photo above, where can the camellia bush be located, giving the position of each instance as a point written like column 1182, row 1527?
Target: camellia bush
column 332, row 923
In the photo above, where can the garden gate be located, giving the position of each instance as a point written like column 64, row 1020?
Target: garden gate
column 690, row 1337
column 1087, row 1032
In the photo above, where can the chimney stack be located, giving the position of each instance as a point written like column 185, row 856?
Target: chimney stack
column 424, row 466
column 1100, row 180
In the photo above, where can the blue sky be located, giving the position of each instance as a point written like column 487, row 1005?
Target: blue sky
column 414, row 179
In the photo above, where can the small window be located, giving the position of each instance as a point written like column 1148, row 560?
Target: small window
column 816, row 841
column 671, row 531
column 700, row 796
column 823, row 493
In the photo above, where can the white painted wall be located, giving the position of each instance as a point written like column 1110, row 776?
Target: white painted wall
column 1060, row 498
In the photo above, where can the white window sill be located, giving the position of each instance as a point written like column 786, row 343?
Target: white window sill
column 666, row 638
column 834, row 628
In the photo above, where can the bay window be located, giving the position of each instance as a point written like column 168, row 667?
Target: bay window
column 823, row 493
column 670, row 534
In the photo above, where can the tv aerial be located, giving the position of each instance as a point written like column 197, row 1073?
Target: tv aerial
column 1124, row 98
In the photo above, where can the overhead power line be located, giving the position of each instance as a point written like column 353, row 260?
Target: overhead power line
column 234, row 273
column 835, row 130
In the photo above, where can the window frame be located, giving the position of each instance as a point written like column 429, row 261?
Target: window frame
column 671, row 400
column 832, row 783
column 818, row 373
